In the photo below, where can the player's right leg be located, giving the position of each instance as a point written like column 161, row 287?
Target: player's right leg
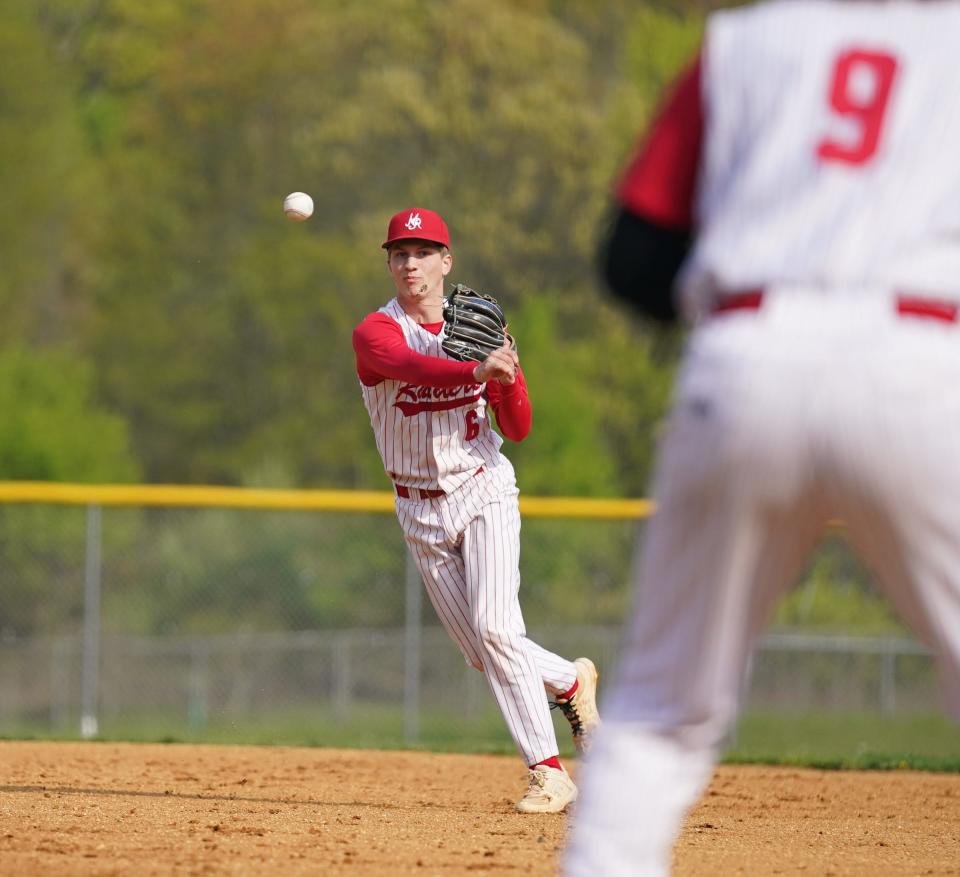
column 440, row 565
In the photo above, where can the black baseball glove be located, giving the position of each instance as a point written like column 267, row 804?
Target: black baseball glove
column 475, row 324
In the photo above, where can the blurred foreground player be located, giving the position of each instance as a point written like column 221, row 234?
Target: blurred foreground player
column 798, row 200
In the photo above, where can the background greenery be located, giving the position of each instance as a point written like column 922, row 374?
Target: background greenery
column 164, row 323
column 145, row 149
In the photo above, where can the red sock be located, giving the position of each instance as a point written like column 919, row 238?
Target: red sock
column 572, row 691
column 553, row 761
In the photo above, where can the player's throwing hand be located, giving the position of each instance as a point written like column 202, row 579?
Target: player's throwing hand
column 501, row 365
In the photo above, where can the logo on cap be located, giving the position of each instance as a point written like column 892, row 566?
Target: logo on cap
column 417, row 222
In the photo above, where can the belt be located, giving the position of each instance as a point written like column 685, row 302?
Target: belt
column 420, row 493
column 906, row 305
column 417, row 492
column 937, row 309
column 745, row 300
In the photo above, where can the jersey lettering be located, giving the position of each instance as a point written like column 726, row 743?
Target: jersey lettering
column 859, row 93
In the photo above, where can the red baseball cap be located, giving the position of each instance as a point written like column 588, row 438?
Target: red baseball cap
column 417, row 223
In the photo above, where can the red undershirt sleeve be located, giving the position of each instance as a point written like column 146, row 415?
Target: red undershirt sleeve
column 511, row 406
column 659, row 183
column 383, row 353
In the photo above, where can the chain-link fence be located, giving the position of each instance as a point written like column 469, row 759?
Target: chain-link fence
column 254, row 624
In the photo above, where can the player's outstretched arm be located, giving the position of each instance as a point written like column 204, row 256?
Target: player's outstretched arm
column 383, row 354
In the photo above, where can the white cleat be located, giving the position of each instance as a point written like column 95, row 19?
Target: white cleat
column 581, row 709
column 550, row 791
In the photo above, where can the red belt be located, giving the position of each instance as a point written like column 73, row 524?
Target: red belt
column 419, row 493
column 906, row 305
column 938, row 309
column 747, row 300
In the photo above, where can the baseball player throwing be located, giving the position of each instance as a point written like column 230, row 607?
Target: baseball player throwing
column 801, row 185
column 457, row 498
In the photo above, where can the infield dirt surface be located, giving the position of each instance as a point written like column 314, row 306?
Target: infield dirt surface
column 119, row 809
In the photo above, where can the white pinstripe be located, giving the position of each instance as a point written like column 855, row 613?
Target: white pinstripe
column 466, row 544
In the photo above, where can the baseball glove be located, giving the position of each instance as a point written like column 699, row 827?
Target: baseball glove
column 475, row 324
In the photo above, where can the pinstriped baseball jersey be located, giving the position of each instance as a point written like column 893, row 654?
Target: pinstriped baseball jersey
column 430, row 437
column 842, row 176
column 436, row 435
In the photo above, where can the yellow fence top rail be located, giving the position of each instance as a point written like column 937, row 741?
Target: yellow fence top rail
column 186, row 496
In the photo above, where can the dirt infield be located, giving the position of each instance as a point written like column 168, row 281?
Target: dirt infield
column 118, row 809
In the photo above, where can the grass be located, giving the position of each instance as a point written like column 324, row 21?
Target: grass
column 830, row 740
column 840, row 740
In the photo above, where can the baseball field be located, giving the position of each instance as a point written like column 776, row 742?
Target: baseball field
column 71, row 808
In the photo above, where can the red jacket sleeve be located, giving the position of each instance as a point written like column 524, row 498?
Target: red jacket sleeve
column 660, row 181
column 511, row 406
column 383, row 353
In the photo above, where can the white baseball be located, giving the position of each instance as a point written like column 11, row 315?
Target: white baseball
column 298, row 206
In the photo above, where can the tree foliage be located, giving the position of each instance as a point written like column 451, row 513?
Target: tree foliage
column 162, row 320
column 52, row 428
column 151, row 145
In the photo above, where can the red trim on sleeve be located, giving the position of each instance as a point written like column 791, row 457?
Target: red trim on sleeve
column 383, row 353
column 511, row 406
column 659, row 182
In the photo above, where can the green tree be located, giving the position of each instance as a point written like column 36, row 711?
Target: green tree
column 45, row 183
column 222, row 332
column 52, row 429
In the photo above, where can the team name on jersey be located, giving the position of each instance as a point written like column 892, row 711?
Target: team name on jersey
column 412, row 399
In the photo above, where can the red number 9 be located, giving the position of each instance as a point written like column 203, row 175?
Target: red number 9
column 867, row 109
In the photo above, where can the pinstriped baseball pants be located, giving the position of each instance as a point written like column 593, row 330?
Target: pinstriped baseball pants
column 466, row 546
column 813, row 409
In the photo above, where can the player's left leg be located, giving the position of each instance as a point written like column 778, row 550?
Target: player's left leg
column 902, row 477
column 738, row 509
column 917, row 566
column 491, row 553
column 676, row 689
column 491, row 550
column 573, row 686
column 499, row 486
column 558, row 673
